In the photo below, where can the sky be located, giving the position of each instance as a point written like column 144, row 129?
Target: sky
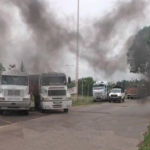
column 90, row 10
column 43, row 35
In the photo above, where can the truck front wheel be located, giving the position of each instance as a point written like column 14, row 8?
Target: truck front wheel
column 123, row 100
column 66, row 110
column 1, row 112
column 26, row 112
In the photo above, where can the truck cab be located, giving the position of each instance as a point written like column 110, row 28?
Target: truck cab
column 53, row 93
column 14, row 91
column 100, row 91
column 117, row 94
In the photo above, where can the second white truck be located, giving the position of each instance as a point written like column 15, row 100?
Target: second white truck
column 100, row 91
column 52, row 93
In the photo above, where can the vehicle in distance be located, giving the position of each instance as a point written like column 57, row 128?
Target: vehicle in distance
column 100, row 91
column 133, row 92
column 136, row 91
column 117, row 94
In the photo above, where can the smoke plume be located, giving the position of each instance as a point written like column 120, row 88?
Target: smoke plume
column 47, row 38
column 109, row 32
column 45, row 43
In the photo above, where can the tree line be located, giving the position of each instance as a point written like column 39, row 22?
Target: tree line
column 85, row 85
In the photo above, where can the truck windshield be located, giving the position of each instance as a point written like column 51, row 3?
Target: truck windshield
column 116, row 90
column 15, row 80
column 53, row 81
column 98, row 86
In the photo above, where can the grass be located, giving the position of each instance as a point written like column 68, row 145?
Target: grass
column 146, row 142
column 82, row 101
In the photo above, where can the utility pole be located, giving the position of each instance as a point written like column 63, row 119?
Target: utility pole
column 88, row 89
column 82, row 88
column 77, row 52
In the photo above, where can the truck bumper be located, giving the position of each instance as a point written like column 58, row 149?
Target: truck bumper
column 55, row 105
column 115, row 99
column 23, row 105
column 100, row 99
column 132, row 96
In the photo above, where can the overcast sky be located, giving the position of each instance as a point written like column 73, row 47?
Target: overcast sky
column 27, row 38
column 90, row 10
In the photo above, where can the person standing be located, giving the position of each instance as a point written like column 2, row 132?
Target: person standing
column 36, row 94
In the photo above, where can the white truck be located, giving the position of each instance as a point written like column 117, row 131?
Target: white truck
column 52, row 91
column 117, row 94
column 14, row 91
column 100, row 91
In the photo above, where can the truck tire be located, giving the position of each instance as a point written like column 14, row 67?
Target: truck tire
column 1, row 112
column 37, row 102
column 66, row 110
column 26, row 112
column 42, row 110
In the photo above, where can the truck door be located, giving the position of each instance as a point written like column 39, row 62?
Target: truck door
column 106, row 89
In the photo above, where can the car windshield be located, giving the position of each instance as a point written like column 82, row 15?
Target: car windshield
column 53, row 81
column 116, row 90
column 15, row 80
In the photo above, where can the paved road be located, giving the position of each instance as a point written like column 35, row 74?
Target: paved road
column 107, row 126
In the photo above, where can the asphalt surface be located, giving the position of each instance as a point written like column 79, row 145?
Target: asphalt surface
column 107, row 126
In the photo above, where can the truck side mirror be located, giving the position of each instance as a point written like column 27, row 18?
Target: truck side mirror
column 69, row 79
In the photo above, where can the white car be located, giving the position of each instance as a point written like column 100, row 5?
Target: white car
column 116, row 94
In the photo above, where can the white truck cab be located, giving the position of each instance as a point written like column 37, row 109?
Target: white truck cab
column 14, row 91
column 117, row 94
column 53, row 93
column 100, row 91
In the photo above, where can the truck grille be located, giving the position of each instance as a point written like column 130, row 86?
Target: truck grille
column 13, row 92
column 114, row 96
column 57, row 92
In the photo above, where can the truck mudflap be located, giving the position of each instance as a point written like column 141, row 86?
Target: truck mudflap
column 55, row 105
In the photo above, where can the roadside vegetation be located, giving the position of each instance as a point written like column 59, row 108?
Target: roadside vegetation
column 146, row 143
column 82, row 100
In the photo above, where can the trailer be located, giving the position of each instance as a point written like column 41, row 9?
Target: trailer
column 136, row 91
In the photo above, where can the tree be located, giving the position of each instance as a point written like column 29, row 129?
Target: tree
column 12, row 66
column 87, row 86
column 22, row 69
column 138, row 55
